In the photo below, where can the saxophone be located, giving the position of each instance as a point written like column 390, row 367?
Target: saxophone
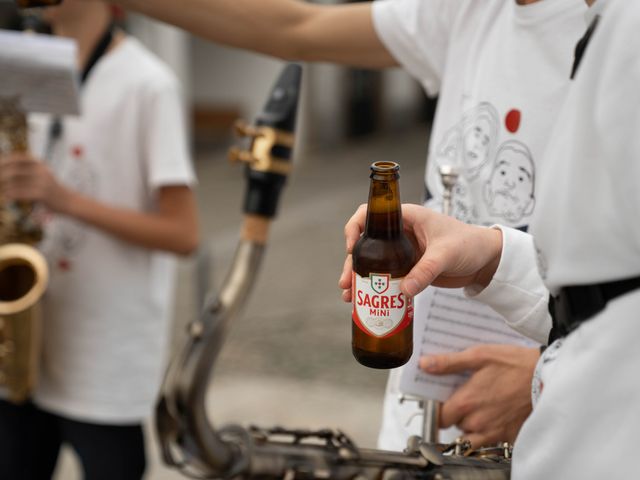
column 23, row 273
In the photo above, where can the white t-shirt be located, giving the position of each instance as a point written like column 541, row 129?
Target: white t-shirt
column 501, row 71
column 586, row 417
column 107, row 308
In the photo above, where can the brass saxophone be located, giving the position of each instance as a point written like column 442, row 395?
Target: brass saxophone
column 23, row 273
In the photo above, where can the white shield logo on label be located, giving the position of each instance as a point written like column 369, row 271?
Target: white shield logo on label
column 379, row 283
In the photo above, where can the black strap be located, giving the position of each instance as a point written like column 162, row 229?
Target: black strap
column 575, row 305
column 99, row 49
column 581, row 47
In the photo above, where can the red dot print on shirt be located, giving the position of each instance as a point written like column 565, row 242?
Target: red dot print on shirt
column 77, row 151
column 64, row 264
column 512, row 120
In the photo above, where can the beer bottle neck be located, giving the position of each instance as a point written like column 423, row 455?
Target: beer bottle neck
column 384, row 218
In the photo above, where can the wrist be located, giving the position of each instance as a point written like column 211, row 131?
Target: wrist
column 493, row 251
column 63, row 201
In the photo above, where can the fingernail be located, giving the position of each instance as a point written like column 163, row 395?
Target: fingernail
column 428, row 364
column 411, row 287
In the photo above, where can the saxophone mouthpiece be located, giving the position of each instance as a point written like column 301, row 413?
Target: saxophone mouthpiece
column 269, row 156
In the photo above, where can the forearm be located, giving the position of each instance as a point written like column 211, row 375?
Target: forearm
column 157, row 231
column 288, row 29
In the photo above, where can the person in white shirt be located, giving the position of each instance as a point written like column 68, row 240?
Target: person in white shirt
column 117, row 183
column 500, row 69
column 586, row 394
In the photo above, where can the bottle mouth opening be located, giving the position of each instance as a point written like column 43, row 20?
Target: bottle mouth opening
column 385, row 167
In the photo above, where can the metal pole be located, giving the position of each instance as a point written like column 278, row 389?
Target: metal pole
column 431, row 408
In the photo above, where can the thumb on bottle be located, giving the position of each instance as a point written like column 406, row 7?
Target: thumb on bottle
column 421, row 275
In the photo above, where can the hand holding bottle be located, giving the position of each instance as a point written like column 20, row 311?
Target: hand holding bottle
column 452, row 254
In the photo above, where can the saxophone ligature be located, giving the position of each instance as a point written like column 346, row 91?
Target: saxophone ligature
column 23, row 272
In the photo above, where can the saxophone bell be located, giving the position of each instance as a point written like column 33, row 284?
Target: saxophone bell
column 23, row 280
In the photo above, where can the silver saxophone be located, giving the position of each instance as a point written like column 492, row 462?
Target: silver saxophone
column 192, row 444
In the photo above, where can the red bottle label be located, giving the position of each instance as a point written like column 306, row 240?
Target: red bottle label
column 380, row 309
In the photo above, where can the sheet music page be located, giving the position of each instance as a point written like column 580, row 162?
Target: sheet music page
column 41, row 71
column 447, row 321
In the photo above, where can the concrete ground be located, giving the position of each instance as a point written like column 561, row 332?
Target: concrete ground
column 287, row 361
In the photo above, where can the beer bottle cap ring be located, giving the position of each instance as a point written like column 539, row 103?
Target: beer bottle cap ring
column 385, row 167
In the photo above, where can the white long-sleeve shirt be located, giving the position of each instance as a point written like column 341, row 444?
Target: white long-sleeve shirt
column 586, row 418
column 501, row 70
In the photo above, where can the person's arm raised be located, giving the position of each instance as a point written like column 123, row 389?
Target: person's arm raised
column 288, row 29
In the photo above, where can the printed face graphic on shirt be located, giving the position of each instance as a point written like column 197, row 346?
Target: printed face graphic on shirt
column 462, row 207
column 509, row 192
column 470, row 144
column 477, row 140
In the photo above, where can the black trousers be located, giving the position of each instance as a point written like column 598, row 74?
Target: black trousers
column 30, row 441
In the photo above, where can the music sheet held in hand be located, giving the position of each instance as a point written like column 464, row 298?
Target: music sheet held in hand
column 447, row 321
column 41, row 71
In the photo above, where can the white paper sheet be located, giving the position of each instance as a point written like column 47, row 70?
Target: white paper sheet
column 41, row 71
column 447, row 321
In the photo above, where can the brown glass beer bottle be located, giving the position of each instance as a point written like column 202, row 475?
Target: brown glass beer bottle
column 382, row 327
